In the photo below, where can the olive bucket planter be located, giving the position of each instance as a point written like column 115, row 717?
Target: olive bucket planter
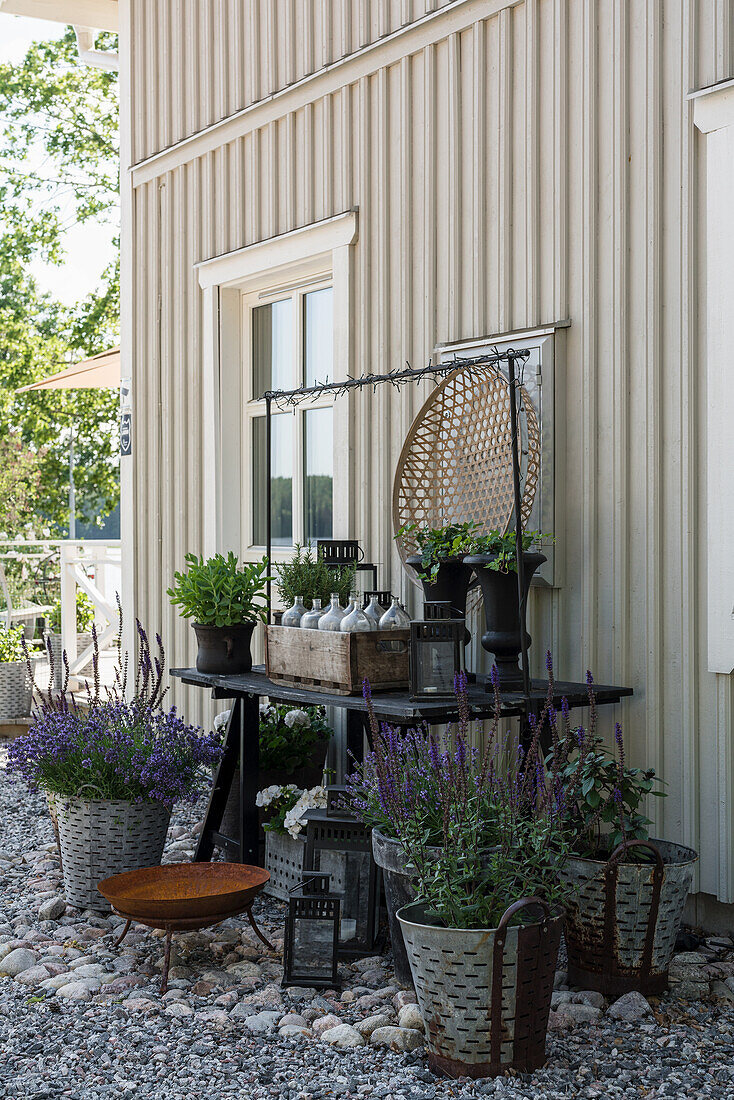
column 390, row 856
column 484, row 994
column 103, row 837
column 623, row 918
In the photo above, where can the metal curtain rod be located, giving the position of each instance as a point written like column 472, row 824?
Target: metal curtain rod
column 395, row 377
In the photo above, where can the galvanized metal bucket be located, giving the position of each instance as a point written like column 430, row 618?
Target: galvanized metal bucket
column 623, row 918
column 103, row 837
column 485, row 995
column 390, row 855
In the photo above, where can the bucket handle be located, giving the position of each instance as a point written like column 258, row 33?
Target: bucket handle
column 497, row 961
column 627, row 844
column 516, row 906
column 610, row 902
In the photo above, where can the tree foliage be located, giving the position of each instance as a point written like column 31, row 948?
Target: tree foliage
column 59, row 165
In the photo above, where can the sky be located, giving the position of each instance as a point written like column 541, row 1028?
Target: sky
column 88, row 246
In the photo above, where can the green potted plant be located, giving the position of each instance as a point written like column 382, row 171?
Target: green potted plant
column 309, row 576
column 52, row 638
column 225, row 602
column 439, row 561
column 15, row 681
column 482, row 936
column 626, row 891
column 284, row 807
column 493, row 558
column 293, row 744
column 113, row 768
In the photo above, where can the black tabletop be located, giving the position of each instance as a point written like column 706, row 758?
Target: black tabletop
column 397, row 706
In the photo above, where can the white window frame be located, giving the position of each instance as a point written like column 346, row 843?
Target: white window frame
column 540, row 382
column 255, row 409
column 301, row 258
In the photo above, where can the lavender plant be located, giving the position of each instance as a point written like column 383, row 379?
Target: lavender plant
column 496, row 815
column 105, row 746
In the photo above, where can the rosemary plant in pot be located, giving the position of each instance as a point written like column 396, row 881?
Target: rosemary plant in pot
column 482, row 936
column 626, row 891
column 114, row 768
column 225, row 602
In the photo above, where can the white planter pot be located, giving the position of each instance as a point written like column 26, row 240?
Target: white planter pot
column 105, row 837
column 15, row 690
column 83, row 640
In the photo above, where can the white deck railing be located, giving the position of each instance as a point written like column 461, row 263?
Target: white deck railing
column 92, row 565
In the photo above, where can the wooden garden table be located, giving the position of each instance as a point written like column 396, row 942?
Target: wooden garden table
column 241, row 745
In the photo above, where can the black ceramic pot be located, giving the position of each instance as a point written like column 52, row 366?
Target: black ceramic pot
column 224, row 650
column 451, row 584
column 502, row 614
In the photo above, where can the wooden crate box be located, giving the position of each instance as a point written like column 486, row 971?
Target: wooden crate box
column 327, row 660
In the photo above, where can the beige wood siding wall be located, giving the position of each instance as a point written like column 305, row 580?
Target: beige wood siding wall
column 514, row 164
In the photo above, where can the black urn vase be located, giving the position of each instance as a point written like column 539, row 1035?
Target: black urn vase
column 451, row 584
column 502, row 614
column 224, row 650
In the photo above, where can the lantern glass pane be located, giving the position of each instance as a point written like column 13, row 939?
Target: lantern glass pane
column 313, row 948
column 435, row 667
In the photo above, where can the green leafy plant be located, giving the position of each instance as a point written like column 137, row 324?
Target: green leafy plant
column 502, row 548
column 217, row 592
column 438, row 544
column 606, row 807
column 84, row 614
column 11, row 644
column 309, row 576
column 288, row 736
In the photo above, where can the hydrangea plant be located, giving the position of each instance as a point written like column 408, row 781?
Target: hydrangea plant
column 287, row 806
column 289, row 736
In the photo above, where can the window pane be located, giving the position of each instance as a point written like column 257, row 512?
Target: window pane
column 318, row 489
column 281, row 480
column 272, row 347
column 318, row 328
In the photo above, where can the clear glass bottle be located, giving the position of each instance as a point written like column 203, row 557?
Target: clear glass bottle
column 374, row 611
column 332, row 617
column 310, row 621
column 395, row 618
column 293, row 616
column 354, row 617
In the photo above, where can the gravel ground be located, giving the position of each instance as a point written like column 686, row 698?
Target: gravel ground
column 219, row 1031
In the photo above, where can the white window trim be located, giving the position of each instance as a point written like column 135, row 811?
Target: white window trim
column 252, row 409
column 544, row 339
column 321, row 251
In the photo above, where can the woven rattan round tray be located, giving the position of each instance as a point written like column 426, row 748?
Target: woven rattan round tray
column 456, row 462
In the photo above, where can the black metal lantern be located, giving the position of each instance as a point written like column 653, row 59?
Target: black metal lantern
column 437, row 609
column 338, row 843
column 338, row 552
column 436, row 648
column 312, row 934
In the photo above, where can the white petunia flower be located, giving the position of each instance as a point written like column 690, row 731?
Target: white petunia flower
column 297, row 718
column 221, row 719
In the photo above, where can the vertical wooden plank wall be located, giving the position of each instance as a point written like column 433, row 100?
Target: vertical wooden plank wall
column 508, row 162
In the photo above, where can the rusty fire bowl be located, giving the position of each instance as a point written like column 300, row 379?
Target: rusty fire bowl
column 184, row 892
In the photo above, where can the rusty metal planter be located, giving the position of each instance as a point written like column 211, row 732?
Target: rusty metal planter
column 623, row 918
column 484, row 994
column 390, row 855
